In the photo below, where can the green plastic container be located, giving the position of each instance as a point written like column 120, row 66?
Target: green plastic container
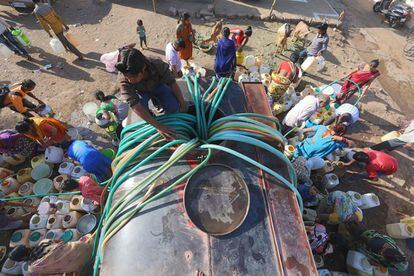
column 21, row 37
column 108, row 152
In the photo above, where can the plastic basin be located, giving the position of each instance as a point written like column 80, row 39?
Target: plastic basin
column 43, row 186
column 41, row 171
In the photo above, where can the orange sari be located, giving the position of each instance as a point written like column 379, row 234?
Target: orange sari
column 43, row 127
column 184, row 31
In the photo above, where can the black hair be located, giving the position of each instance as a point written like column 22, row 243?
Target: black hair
column 345, row 118
column 294, row 57
column 100, row 96
column 131, row 61
column 180, row 43
column 339, row 129
column 374, row 63
column 184, row 17
column 323, row 27
column 139, row 22
column 24, row 126
column 28, row 84
column 69, row 185
column 19, row 254
column 361, row 156
column 35, row 1
column 393, row 255
column 226, row 32
column 248, row 31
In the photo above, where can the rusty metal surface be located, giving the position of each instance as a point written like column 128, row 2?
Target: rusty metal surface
column 216, row 199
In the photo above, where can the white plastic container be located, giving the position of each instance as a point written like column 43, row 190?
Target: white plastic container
column 20, row 237
column 11, row 267
column 14, row 160
column 289, row 151
column 38, row 221
column 320, row 63
column 243, row 78
column 249, row 61
column 54, row 221
column 328, row 167
column 53, row 155
column 37, row 160
column 26, row 189
column 46, row 111
column 77, row 172
column 70, row 235
column 5, row 52
column 253, row 69
column 87, row 205
column 315, row 163
column 9, row 185
column 356, row 197
column 358, row 263
column 264, row 69
column 308, row 63
column 309, row 214
column 24, row 175
column 66, row 168
column 324, row 272
column 89, row 109
column 36, row 237
column 76, row 203
column 330, row 180
column 70, row 220
column 49, row 199
column 58, row 181
column 15, row 211
column 62, row 207
column 400, row 230
column 57, row 46
column 370, row 200
column 33, row 201
column 54, row 234
column 45, row 208
column 25, row 268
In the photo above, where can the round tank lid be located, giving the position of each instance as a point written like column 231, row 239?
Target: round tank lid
column 17, row 236
column 216, row 199
column 35, row 236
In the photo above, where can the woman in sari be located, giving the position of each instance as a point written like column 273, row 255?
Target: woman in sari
column 325, row 140
column 338, row 207
column 363, row 76
column 286, row 74
column 45, row 131
column 186, row 33
column 12, row 143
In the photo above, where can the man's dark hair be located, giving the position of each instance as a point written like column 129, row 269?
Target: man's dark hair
column 36, row 1
column 345, row 118
column 226, row 32
column 294, row 57
column 28, row 85
column 24, row 126
column 131, row 61
column 139, row 22
column 248, row 31
column 374, row 63
column 361, row 156
column 323, row 27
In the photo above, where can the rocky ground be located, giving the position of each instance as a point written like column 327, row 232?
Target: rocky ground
column 103, row 26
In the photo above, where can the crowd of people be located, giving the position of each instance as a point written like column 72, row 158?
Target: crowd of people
column 339, row 221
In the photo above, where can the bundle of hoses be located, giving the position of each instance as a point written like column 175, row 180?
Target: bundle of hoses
column 141, row 143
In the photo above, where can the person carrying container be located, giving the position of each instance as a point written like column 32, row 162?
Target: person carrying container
column 319, row 44
column 50, row 20
column 240, row 36
column 16, row 101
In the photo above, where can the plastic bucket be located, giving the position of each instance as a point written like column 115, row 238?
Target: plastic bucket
column 43, row 186
column 89, row 109
column 41, row 171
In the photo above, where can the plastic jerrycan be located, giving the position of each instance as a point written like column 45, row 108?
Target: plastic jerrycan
column 400, row 230
column 21, row 37
column 57, row 46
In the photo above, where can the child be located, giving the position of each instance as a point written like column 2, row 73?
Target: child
column 141, row 33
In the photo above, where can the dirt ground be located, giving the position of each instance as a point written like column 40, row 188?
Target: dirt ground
column 103, row 26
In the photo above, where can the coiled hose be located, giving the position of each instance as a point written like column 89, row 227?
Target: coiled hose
column 141, row 143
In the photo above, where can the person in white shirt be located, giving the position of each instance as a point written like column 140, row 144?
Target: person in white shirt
column 304, row 109
column 172, row 57
column 346, row 114
column 406, row 139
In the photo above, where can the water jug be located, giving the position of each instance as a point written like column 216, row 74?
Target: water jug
column 289, row 151
column 5, row 173
column 320, row 63
column 78, row 171
column 14, row 160
column 11, row 267
column 15, row 212
column 46, row 111
column 45, row 208
column 50, row 199
column 37, row 160
column 254, row 77
column 308, row 63
column 358, row 264
column 324, row 272
column 25, row 268
column 54, row 221
column 32, row 201
column 9, row 185
column 75, row 203
column 400, row 230
column 89, row 109
column 58, row 181
column 53, row 155
column 72, row 39
column 57, row 46
column 309, row 214
column 20, row 237
column 243, row 78
column 62, row 207
column 70, row 235
column 330, row 180
column 70, row 220
column 315, row 163
column 253, row 69
column 54, row 234
column 20, row 37
column 328, row 167
column 240, row 57
column 38, row 221
column 24, row 175
column 66, row 168
column 264, row 69
column 87, row 205
column 5, row 52
column 370, row 200
column 26, row 189
column 249, row 61
column 36, row 237
column 356, row 197
column 409, row 221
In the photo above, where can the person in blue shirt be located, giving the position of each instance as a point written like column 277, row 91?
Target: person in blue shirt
column 92, row 160
column 225, row 55
column 325, row 140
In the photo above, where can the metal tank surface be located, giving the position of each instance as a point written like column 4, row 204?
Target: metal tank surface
column 162, row 240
